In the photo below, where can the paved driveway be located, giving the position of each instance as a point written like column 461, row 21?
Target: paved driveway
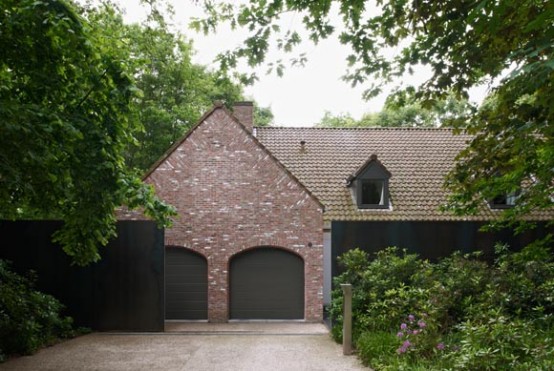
column 197, row 346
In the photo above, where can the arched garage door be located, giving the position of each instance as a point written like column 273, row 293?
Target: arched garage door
column 267, row 283
column 186, row 284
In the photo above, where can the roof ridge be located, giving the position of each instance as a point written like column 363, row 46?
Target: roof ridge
column 375, row 128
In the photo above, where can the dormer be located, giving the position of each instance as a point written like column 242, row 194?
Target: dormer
column 504, row 201
column 501, row 200
column 370, row 185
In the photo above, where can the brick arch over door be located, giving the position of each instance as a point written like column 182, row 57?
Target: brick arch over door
column 186, row 284
column 266, row 283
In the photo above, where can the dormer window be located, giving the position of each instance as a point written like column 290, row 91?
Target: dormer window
column 505, row 201
column 373, row 192
column 370, row 185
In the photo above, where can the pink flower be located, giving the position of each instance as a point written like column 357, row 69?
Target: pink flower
column 440, row 346
column 404, row 347
column 411, row 318
column 415, row 332
column 400, row 334
column 421, row 324
column 403, row 326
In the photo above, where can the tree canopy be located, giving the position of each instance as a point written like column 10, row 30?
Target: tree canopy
column 174, row 91
column 65, row 103
column 402, row 109
column 87, row 104
column 506, row 44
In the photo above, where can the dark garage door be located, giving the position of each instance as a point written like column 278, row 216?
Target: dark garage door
column 267, row 283
column 186, row 284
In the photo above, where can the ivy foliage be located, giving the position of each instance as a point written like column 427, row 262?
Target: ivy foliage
column 508, row 45
column 65, row 124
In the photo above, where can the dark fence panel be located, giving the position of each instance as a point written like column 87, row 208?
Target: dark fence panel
column 430, row 240
column 123, row 291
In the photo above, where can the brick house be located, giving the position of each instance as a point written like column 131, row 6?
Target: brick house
column 264, row 212
column 244, row 222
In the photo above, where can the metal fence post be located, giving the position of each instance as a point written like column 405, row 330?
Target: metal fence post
column 347, row 319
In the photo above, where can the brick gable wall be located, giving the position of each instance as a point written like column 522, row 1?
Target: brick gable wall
column 232, row 195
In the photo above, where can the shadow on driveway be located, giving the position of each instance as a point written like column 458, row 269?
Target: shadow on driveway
column 198, row 346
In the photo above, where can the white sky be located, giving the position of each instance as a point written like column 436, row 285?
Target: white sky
column 302, row 95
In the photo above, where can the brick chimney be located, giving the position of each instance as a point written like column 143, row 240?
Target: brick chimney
column 244, row 112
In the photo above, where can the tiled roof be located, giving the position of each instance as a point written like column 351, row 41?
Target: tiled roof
column 417, row 158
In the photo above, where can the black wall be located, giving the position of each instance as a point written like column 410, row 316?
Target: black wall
column 430, row 240
column 123, row 291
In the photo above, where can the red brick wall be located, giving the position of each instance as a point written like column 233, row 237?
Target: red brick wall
column 231, row 195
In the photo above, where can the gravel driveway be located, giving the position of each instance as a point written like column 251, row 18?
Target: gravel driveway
column 197, row 346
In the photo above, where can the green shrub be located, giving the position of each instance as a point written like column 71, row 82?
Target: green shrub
column 502, row 343
column 523, row 281
column 394, row 306
column 382, row 295
column 389, row 351
column 29, row 319
column 456, row 284
column 376, row 347
column 477, row 315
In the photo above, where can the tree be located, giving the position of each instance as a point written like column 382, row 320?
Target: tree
column 507, row 44
column 343, row 120
column 402, row 109
column 263, row 116
column 174, row 92
column 65, row 98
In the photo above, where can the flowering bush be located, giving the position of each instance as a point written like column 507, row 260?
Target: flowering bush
column 460, row 313
column 503, row 343
column 418, row 336
column 383, row 291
